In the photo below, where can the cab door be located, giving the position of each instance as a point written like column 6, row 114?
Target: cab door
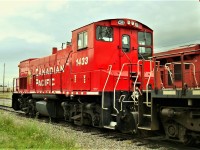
column 127, row 55
column 128, row 46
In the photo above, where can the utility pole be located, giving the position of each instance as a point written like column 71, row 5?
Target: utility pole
column 3, row 76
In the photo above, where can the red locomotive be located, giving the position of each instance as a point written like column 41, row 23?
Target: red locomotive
column 179, row 93
column 104, row 78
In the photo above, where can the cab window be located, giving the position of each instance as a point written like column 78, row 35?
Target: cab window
column 144, row 38
column 126, row 43
column 144, row 52
column 104, row 33
column 144, row 45
column 82, row 40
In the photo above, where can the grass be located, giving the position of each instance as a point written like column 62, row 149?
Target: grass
column 5, row 95
column 18, row 133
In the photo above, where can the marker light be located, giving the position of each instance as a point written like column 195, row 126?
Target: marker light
column 132, row 23
column 136, row 24
column 128, row 22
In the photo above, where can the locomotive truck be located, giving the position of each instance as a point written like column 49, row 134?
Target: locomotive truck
column 108, row 77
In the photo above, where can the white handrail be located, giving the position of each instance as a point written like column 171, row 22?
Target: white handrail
column 138, row 70
column 147, row 90
column 102, row 100
column 121, row 99
column 170, row 73
column 194, row 74
column 114, row 97
column 134, row 86
column 194, row 69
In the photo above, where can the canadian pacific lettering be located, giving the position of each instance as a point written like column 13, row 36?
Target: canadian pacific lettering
column 45, row 82
column 50, row 70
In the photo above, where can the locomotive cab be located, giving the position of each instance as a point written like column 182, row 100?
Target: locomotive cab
column 107, row 43
column 126, row 39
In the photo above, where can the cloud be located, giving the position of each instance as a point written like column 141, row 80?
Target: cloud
column 55, row 5
column 23, row 8
column 26, row 19
column 27, row 35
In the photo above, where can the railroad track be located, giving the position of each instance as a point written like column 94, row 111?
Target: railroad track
column 152, row 142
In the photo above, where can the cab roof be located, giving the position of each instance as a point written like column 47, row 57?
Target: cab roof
column 121, row 22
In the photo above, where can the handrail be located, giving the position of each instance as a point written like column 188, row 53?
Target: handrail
column 134, row 86
column 121, row 99
column 15, row 85
column 102, row 103
column 194, row 74
column 194, row 70
column 147, row 90
column 138, row 70
column 170, row 73
column 114, row 97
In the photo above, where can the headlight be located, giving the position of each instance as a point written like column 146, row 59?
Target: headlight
column 121, row 22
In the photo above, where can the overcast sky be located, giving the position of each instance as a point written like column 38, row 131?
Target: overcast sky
column 30, row 28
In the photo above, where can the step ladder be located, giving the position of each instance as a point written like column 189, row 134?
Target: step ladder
column 147, row 124
column 134, row 78
column 113, row 122
column 112, row 125
column 145, row 114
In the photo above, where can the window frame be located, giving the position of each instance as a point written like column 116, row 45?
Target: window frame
column 145, row 46
column 129, row 43
column 151, row 43
column 142, row 54
column 83, row 44
column 102, row 38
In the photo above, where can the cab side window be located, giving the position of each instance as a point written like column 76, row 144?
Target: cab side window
column 126, row 43
column 82, row 40
column 145, row 45
column 104, row 33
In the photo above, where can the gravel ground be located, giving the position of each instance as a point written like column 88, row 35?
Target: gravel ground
column 91, row 140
